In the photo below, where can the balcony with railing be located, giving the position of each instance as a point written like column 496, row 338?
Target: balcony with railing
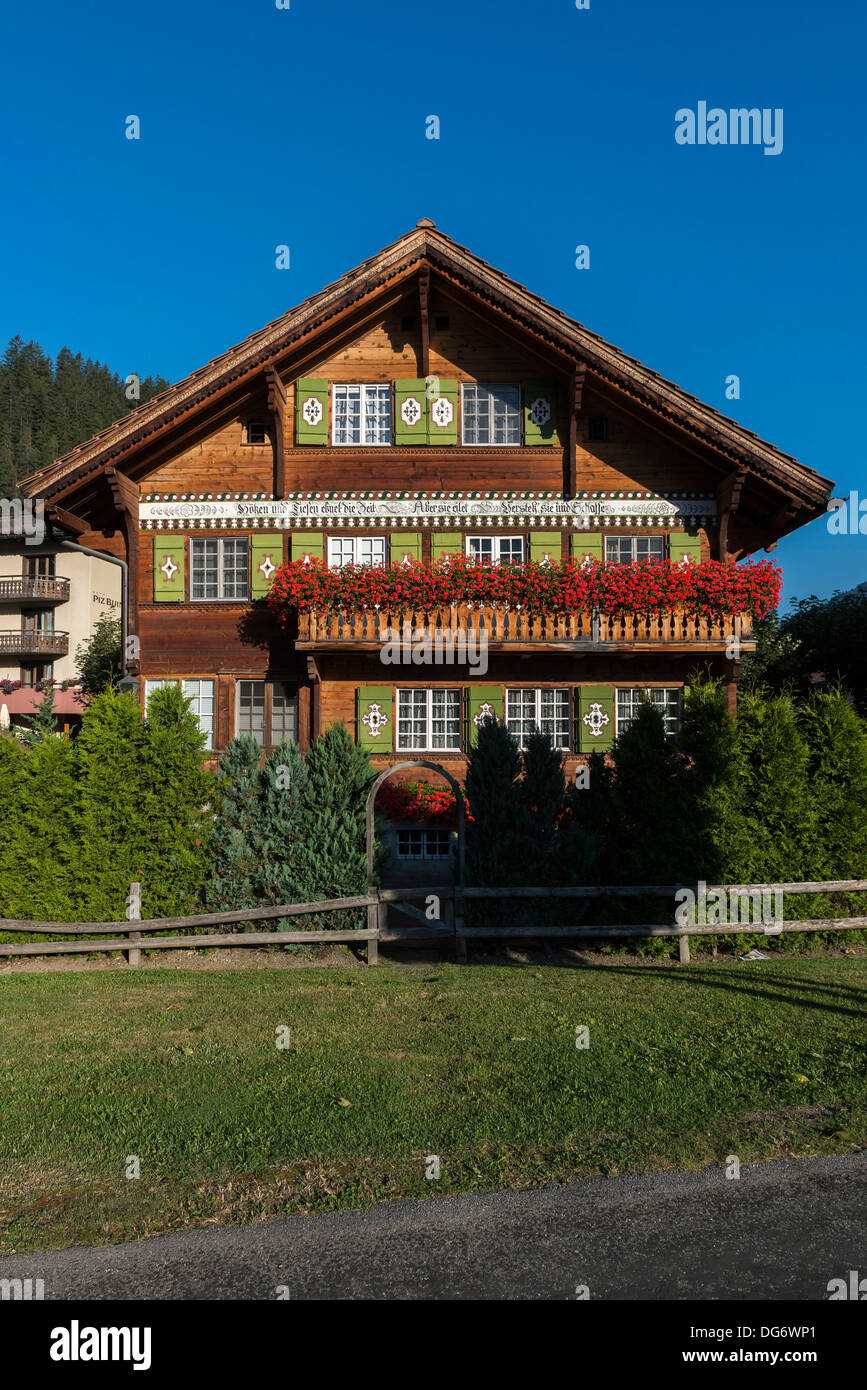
column 514, row 629
column 41, row 589
column 31, row 644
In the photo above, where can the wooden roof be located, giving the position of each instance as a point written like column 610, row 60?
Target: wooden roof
column 568, row 342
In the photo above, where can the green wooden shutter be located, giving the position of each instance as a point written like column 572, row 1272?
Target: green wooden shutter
column 587, row 545
column 403, row 544
column 480, row 700
column 540, row 412
column 311, row 411
column 410, row 411
column 374, row 712
column 595, row 731
column 442, row 414
column 545, row 546
column 168, row 568
column 307, row 545
column 443, row 543
column 684, row 547
column 266, row 553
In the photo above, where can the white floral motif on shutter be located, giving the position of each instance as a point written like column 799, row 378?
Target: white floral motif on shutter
column 312, row 411
column 267, row 567
column 442, row 412
column 485, row 712
column 410, row 411
column 169, row 569
column 596, row 719
column 540, row 411
column 375, row 720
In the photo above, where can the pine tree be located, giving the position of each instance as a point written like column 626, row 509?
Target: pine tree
column 278, row 831
column 176, row 792
column 774, row 799
column 331, row 860
column 234, row 842
column 98, row 657
column 647, row 822
column 836, row 740
column 39, row 859
column 12, row 778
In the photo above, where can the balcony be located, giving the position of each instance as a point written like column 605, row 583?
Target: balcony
column 508, row 629
column 34, row 644
column 41, row 590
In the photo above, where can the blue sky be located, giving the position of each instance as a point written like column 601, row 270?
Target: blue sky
column 306, row 127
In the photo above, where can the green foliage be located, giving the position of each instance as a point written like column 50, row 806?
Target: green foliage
column 48, row 408
column 39, row 726
column 331, row 854
column 234, row 840
column 98, row 658
column 818, row 637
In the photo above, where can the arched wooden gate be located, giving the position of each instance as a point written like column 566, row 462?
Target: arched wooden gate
column 373, row 912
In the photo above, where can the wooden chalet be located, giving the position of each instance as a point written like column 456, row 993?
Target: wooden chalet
column 320, row 437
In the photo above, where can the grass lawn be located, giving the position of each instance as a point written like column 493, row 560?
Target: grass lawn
column 475, row 1064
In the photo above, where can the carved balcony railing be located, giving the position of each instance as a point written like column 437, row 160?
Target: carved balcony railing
column 14, row 588
column 513, row 628
column 34, row 643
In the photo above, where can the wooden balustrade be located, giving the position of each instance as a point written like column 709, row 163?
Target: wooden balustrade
column 16, row 588
column 502, row 625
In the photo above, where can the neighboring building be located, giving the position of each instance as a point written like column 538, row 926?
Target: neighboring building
column 51, row 598
column 317, row 437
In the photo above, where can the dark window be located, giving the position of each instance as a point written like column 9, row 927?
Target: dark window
column 39, row 671
column 597, row 428
column 268, row 711
column 39, row 567
column 256, row 432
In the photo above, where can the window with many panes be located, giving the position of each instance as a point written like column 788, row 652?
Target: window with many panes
column 361, row 414
column 37, row 671
column 491, row 413
column 622, row 550
column 200, row 693
column 219, row 568
column 429, row 719
column 666, row 701
column 39, row 566
column 545, row 709
column 256, row 432
column 355, row 550
column 267, row 711
column 423, row 843
column 496, row 550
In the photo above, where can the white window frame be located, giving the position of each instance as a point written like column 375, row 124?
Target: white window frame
column 490, row 387
column 634, row 541
column 363, row 387
column 206, row 724
column 220, row 596
column 495, row 547
column 356, row 543
column 539, row 691
column 427, row 746
column 288, row 690
column 434, row 842
column 635, row 693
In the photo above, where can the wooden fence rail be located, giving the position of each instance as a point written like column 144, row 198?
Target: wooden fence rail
column 128, row 936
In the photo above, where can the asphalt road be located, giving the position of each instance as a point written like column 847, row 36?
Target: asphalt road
column 782, row 1230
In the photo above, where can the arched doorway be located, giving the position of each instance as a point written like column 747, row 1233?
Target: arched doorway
column 369, row 813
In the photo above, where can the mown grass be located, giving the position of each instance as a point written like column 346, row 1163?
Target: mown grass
column 475, row 1064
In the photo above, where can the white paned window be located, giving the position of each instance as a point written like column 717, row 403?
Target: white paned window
column 361, row 415
column 267, row 711
column 200, row 693
column 491, row 413
column 429, row 719
column 543, row 709
column 219, row 568
column 355, row 550
column 666, row 701
column 622, row 550
column 423, row 843
column 496, row 550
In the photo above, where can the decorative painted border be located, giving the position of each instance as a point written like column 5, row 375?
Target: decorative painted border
column 161, row 511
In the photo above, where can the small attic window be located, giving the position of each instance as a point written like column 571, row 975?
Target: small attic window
column 441, row 323
column 597, row 428
column 256, row 432
column 408, row 323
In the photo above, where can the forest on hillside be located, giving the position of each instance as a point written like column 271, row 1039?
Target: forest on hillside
column 47, row 408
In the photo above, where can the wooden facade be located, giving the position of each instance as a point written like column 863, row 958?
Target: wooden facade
column 595, row 449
